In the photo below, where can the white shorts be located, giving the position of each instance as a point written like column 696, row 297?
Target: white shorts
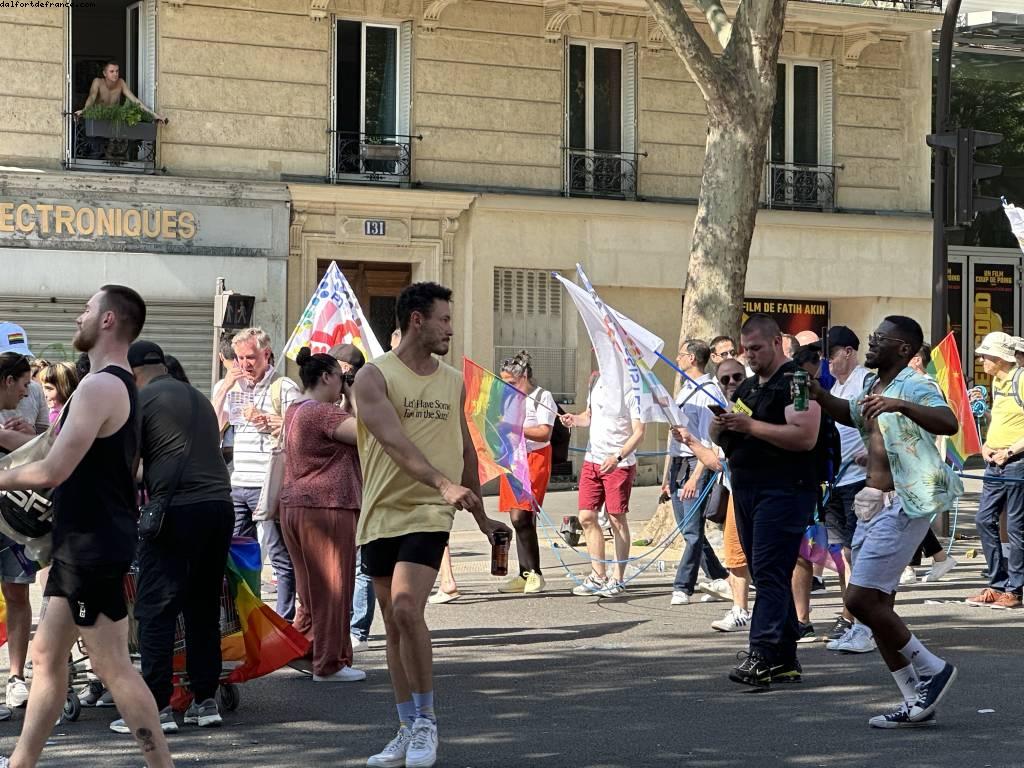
column 884, row 546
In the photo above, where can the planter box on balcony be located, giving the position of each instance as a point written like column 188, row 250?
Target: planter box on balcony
column 109, row 130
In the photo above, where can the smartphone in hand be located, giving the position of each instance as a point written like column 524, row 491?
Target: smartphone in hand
column 717, row 409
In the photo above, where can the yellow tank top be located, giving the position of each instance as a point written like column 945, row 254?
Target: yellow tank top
column 429, row 409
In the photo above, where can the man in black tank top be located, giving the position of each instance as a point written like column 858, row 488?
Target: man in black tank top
column 92, row 468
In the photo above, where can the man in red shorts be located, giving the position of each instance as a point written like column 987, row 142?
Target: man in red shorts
column 609, row 469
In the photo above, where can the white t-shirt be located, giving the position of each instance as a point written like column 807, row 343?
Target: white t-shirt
column 694, row 402
column 540, row 412
column 852, row 443
column 611, row 423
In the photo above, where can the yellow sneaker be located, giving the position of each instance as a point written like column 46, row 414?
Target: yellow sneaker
column 515, row 584
column 534, row 583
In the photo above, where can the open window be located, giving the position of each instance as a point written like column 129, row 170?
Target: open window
column 372, row 98
column 800, row 169
column 123, row 33
column 600, row 119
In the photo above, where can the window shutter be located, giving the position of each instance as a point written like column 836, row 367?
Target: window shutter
column 827, row 97
column 405, row 78
column 629, row 89
column 148, row 34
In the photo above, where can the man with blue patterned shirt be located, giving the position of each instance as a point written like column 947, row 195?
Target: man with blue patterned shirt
column 898, row 415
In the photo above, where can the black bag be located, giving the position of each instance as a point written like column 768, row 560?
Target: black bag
column 151, row 515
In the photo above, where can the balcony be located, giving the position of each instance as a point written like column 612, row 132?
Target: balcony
column 904, row 5
column 598, row 173
column 99, row 145
column 372, row 158
column 801, row 187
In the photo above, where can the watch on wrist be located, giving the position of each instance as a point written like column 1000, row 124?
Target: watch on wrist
column 618, row 459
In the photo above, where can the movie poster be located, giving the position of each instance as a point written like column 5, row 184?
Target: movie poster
column 993, row 307
column 792, row 315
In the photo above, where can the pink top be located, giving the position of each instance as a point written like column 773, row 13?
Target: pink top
column 319, row 471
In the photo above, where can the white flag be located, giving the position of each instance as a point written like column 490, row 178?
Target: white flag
column 1016, row 217
column 333, row 316
column 625, row 352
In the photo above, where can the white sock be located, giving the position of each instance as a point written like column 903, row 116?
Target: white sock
column 925, row 662
column 906, row 679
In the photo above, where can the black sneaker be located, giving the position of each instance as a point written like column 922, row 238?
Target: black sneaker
column 805, row 634
column 787, row 672
column 900, row 718
column 753, row 669
column 840, row 628
column 930, row 692
column 818, row 585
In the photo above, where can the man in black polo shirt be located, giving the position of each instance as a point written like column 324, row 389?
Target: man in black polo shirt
column 181, row 570
column 770, row 448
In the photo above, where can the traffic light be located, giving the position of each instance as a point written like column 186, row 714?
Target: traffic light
column 964, row 142
column 233, row 311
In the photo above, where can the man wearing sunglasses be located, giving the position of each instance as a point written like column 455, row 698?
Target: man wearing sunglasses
column 898, row 414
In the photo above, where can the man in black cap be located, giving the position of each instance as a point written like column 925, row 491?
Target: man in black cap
column 181, row 568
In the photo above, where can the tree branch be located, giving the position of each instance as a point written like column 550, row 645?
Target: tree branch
column 718, row 20
column 681, row 32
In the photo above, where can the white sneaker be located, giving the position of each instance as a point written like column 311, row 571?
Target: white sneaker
column 589, row 586
column 612, row 588
column 17, row 692
column 735, row 620
column 858, row 639
column 393, row 755
column 909, row 576
column 359, row 645
column 422, row 752
column 938, row 570
column 716, row 590
column 167, row 723
column 679, row 598
column 343, row 675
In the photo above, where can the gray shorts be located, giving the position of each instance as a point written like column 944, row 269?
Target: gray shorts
column 884, row 546
column 11, row 571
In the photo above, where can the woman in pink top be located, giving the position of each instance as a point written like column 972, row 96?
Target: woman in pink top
column 319, row 508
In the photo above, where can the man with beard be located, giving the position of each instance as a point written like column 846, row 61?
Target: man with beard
column 91, row 466
column 898, row 413
column 411, row 405
column 770, row 448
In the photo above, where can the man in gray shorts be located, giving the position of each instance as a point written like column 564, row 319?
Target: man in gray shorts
column 898, row 415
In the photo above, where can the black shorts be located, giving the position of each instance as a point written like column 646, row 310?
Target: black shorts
column 90, row 590
column 840, row 519
column 380, row 555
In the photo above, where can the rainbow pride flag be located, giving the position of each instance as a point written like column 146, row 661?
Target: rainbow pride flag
column 495, row 412
column 945, row 367
column 270, row 642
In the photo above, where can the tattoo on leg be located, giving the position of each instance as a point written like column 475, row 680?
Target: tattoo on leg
column 145, row 738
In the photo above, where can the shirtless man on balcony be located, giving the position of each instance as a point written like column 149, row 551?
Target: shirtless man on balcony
column 109, row 89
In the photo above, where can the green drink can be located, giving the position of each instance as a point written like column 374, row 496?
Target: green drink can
column 801, row 396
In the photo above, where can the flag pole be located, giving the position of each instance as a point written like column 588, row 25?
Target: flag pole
column 510, row 386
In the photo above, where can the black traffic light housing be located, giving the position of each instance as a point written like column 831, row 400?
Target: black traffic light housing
column 964, row 142
column 233, row 311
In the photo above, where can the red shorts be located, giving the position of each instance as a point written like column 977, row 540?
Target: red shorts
column 540, row 474
column 611, row 490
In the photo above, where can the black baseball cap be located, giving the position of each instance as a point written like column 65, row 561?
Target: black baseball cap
column 145, row 353
column 838, row 336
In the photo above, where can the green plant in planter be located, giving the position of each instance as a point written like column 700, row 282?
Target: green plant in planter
column 129, row 113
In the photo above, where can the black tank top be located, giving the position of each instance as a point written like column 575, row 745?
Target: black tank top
column 95, row 516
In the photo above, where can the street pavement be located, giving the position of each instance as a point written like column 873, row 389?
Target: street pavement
column 562, row 681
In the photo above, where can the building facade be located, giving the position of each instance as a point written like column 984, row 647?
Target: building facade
column 487, row 143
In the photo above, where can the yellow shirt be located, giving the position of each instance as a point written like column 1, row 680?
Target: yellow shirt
column 1007, row 425
column 429, row 408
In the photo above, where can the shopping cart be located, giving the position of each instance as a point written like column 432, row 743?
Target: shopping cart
column 230, row 624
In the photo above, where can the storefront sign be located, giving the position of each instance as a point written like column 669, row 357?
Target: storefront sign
column 792, row 315
column 993, row 306
column 49, row 219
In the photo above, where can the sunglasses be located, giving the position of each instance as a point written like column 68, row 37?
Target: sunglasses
column 877, row 338
column 735, row 377
column 728, row 353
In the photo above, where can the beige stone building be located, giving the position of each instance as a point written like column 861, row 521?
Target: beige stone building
column 485, row 143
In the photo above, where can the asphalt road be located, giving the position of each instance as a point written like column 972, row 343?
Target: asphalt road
column 556, row 680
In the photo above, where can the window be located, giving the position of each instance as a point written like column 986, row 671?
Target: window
column 600, row 119
column 371, row 112
column 800, row 143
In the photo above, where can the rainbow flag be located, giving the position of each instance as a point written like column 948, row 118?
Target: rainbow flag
column 495, row 412
column 945, row 367
column 269, row 641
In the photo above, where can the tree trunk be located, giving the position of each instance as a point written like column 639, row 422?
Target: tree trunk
column 724, row 228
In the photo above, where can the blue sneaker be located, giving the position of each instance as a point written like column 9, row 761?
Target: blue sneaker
column 930, row 692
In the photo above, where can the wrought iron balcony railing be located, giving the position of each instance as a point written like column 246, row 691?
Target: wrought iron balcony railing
column 802, row 187
column 599, row 173
column 101, row 145
column 906, row 5
column 375, row 158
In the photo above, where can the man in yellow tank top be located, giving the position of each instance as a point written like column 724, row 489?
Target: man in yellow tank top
column 409, row 407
